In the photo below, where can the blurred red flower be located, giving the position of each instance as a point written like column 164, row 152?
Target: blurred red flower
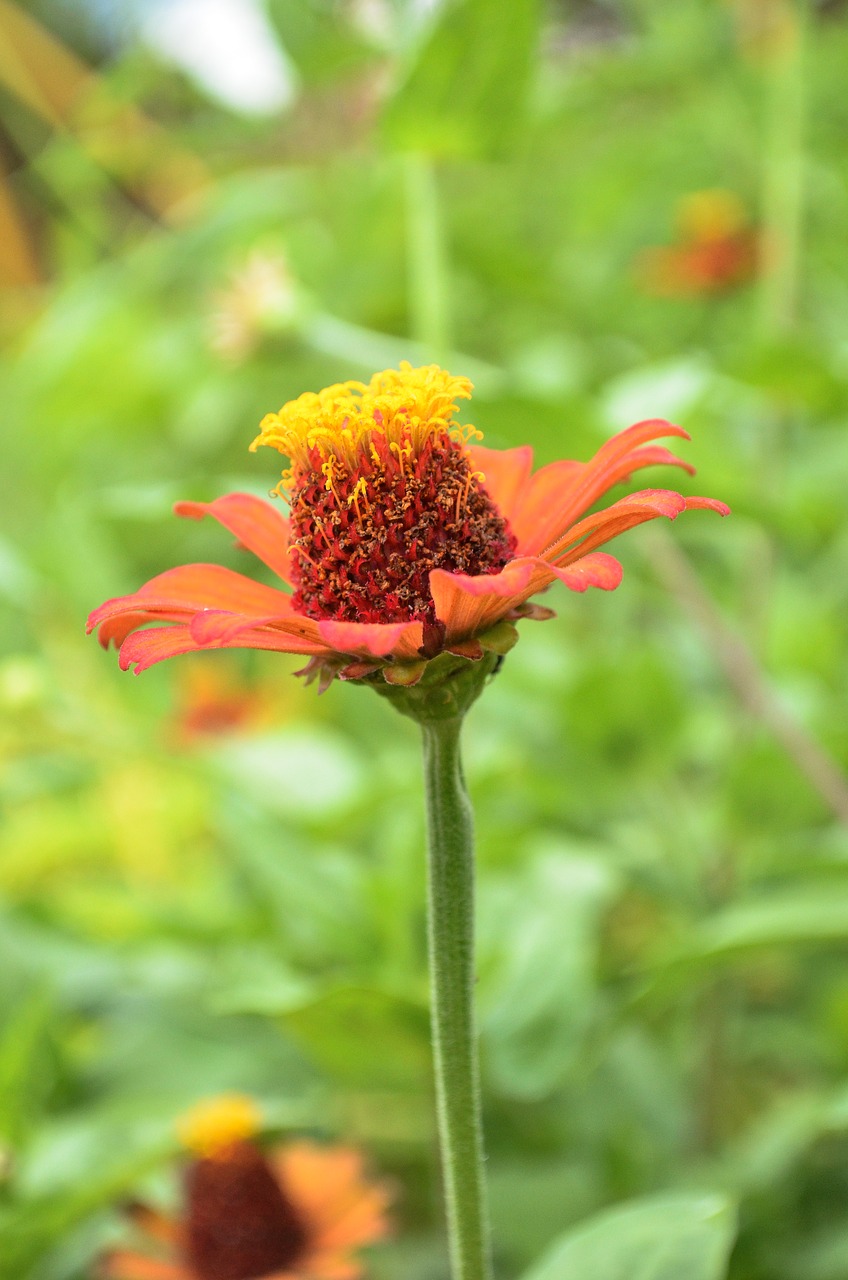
column 716, row 249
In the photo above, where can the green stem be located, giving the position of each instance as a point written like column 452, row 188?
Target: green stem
column 427, row 258
column 783, row 172
column 450, row 828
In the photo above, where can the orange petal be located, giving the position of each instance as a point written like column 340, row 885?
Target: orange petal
column 360, row 1222
column 655, row 455
column 707, row 504
column 122, row 1264
column 329, row 1188
column 213, row 628
column 178, row 592
column 599, row 527
column 589, row 483
column 144, row 648
column 537, row 521
column 468, row 605
column 505, row 471
column 376, row 639
column 330, row 1264
column 259, row 527
column 157, row 1225
column 624, row 515
column 599, row 569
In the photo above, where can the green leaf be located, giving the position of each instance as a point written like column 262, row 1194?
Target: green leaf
column 464, row 96
column 538, row 995
column 670, row 1237
column 23, row 1057
column 364, row 1037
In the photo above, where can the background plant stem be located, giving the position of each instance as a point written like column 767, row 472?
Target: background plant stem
column 427, row 259
column 783, row 171
column 450, row 832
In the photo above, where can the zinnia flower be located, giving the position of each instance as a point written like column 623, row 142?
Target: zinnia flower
column 716, row 250
column 215, row 703
column 299, row 1213
column 405, row 538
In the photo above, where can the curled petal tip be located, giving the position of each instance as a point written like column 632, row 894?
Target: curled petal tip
column 663, row 427
column 707, row 504
column 192, row 510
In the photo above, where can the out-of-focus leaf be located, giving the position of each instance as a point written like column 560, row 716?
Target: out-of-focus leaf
column 363, row 1037
column 22, row 1064
column 682, row 1237
column 465, row 93
column 541, row 984
column 30, row 1230
column 789, row 918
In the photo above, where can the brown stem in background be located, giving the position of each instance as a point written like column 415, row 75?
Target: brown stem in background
column 744, row 675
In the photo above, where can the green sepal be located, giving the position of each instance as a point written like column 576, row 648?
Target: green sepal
column 404, row 674
column 500, row 638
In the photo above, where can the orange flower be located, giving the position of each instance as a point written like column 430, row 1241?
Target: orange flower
column 215, row 703
column 298, row 1214
column 405, row 539
column 716, row 249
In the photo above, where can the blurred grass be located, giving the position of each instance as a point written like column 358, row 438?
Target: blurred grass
column 663, row 987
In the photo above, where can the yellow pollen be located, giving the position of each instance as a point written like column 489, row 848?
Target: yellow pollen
column 404, row 406
column 213, row 1126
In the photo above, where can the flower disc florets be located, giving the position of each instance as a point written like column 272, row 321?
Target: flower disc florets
column 382, row 491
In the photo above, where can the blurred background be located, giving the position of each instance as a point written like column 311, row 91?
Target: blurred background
column 210, row 879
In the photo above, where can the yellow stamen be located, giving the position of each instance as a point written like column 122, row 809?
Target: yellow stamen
column 462, row 494
column 213, row 1126
column 360, row 490
column 404, row 406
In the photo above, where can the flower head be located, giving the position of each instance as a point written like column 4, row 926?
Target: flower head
column 406, row 538
column 715, row 251
column 301, row 1211
column 383, row 490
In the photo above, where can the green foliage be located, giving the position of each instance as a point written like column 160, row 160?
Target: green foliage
column 464, row 92
column 660, row 1238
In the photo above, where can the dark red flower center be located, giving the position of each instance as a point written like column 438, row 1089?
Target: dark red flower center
column 239, row 1223
column 364, row 546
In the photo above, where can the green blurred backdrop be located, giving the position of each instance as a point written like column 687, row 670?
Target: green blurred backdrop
column 209, row 878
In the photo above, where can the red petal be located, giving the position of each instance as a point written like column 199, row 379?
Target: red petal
column 469, row 605
column 182, row 591
column 376, row 639
column 505, row 471
column 145, row 648
column 258, row 526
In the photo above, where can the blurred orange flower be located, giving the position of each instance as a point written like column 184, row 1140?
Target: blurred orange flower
column 299, row 1213
column 716, row 249
column 405, row 539
column 214, row 703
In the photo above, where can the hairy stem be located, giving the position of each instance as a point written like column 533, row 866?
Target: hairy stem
column 451, row 947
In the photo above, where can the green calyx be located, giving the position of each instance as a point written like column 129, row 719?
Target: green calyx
column 447, row 687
